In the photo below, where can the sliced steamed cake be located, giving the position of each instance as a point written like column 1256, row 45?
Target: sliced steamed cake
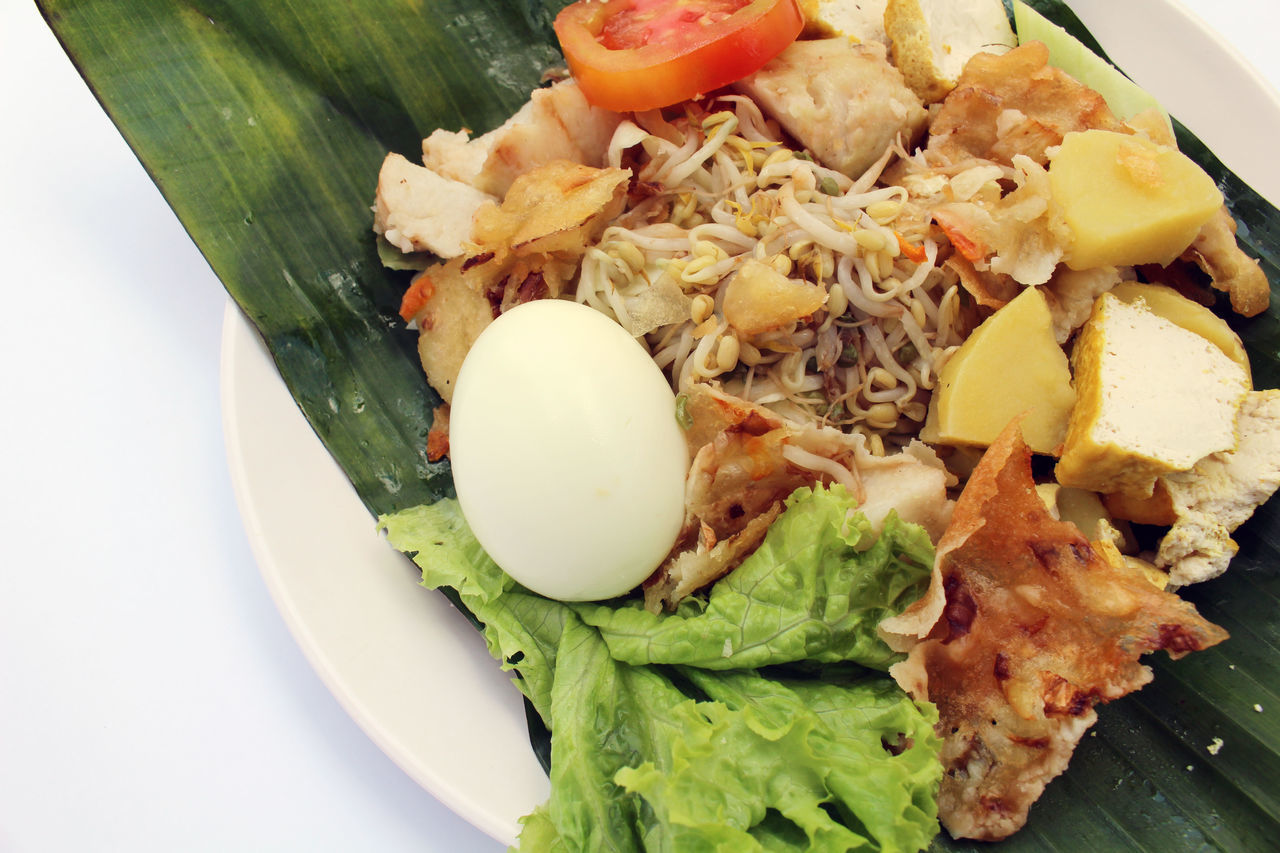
column 1152, row 398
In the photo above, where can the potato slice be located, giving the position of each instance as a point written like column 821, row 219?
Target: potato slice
column 1127, row 200
column 1011, row 364
column 1156, row 509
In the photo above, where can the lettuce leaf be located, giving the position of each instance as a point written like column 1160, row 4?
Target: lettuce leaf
column 659, row 757
column 734, row 761
column 522, row 629
column 814, row 590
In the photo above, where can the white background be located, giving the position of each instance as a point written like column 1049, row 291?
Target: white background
column 150, row 695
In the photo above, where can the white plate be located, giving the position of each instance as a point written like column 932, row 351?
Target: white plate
column 400, row 659
column 407, row 666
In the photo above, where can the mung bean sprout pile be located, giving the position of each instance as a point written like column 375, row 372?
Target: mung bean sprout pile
column 856, row 317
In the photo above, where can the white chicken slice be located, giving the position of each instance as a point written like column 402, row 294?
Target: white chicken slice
column 417, row 210
column 557, row 123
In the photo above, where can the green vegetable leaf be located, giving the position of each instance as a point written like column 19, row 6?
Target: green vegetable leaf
column 751, row 764
column 264, row 125
column 522, row 629
column 650, row 757
column 814, row 590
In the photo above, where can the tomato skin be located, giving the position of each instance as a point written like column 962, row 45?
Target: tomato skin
column 668, row 56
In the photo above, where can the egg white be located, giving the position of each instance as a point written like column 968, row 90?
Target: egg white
column 567, row 458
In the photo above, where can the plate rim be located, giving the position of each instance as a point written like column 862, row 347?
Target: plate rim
column 246, row 372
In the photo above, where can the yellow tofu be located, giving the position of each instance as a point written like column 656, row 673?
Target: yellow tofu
column 1152, row 397
column 931, row 40
column 1127, row 200
column 1192, row 316
column 1221, row 492
column 858, row 20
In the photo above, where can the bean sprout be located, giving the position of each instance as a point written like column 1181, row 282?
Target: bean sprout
column 724, row 189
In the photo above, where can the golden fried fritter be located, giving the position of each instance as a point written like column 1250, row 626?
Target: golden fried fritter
column 1036, row 629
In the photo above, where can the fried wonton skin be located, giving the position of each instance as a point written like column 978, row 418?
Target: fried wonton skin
column 747, row 460
column 526, row 248
column 558, row 207
column 1011, row 104
column 1036, row 628
column 1216, row 252
column 1014, row 103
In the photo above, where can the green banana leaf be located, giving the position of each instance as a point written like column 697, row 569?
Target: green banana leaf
column 264, row 123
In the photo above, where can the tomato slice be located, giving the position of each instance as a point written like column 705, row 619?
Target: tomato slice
column 642, row 54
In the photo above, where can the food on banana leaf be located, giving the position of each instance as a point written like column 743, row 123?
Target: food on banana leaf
column 813, row 278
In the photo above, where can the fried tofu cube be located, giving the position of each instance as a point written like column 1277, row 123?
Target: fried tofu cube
column 1192, row 316
column 931, row 40
column 1152, row 397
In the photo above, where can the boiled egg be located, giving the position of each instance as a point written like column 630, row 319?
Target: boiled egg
column 568, row 460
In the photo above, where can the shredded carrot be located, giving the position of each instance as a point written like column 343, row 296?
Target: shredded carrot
column 915, row 254
column 438, row 435
column 417, row 296
column 972, row 249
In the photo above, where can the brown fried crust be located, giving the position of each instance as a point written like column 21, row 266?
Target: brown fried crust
column 1038, row 628
column 1046, row 102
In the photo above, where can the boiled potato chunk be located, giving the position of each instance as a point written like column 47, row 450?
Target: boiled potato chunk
column 1087, row 511
column 1157, row 509
column 1128, row 200
column 1177, row 309
column 1009, row 366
